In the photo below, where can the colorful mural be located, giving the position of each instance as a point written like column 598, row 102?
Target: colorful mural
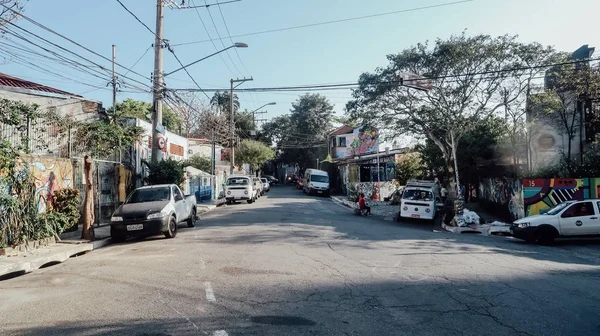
column 50, row 174
column 542, row 194
column 506, row 192
column 363, row 140
column 373, row 190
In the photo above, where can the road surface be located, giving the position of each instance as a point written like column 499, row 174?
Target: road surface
column 290, row 264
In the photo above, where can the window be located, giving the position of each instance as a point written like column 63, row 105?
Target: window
column 579, row 210
column 342, row 142
column 319, row 178
column 417, row 195
column 149, row 195
column 237, row 182
column 177, row 194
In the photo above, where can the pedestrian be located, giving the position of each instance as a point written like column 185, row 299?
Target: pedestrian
column 362, row 204
column 444, row 194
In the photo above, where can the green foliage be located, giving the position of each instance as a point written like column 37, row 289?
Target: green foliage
column 301, row 136
column 199, row 162
column 143, row 110
column 221, row 100
column 65, row 208
column 101, row 138
column 409, row 167
column 166, row 171
column 254, row 153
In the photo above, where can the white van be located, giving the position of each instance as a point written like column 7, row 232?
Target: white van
column 316, row 182
column 240, row 188
column 420, row 199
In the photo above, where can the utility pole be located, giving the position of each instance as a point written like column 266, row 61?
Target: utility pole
column 157, row 91
column 232, row 143
column 254, row 113
column 114, row 91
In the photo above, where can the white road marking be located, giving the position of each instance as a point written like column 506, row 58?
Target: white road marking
column 220, row 333
column 210, row 295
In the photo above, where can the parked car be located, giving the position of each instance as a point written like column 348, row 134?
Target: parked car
column 316, row 182
column 272, row 180
column 266, row 184
column 568, row 219
column 259, row 186
column 421, row 200
column 240, row 188
column 152, row 210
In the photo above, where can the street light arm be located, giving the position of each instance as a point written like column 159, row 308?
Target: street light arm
column 200, row 60
column 271, row 103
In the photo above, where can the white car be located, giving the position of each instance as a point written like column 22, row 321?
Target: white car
column 315, row 182
column 568, row 219
column 266, row 184
column 240, row 188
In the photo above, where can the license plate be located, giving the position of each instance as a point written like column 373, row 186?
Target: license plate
column 319, row 192
column 135, row 227
column 416, row 216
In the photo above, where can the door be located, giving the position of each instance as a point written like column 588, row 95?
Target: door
column 580, row 219
column 180, row 206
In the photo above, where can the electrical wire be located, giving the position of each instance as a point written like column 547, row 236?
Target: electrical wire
column 335, row 21
column 221, row 39
column 229, row 35
column 186, row 71
column 138, row 19
column 139, row 59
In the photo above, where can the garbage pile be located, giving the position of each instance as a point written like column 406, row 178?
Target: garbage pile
column 467, row 218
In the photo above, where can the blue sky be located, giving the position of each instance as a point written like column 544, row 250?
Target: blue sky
column 322, row 54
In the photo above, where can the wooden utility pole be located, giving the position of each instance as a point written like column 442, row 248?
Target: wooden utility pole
column 87, row 231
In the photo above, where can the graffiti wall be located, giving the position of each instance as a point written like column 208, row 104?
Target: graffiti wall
column 373, row 190
column 542, row 194
column 504, row 192
column 363, row 140
column 50, row 174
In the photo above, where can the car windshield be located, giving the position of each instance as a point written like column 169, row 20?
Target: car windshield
column 558, row 208
column 237, row 181
column 149, row 195
column 264, row 180
column 417, row 195
column 319, row 178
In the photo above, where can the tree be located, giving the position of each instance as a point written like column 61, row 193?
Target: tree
column 87, row 231
column 409, row 167
column 10, row 10
column 199, row 162
column 301, row 137
column 254, row 153
column 221, row 100
column 166, row 171
column 190, row 113
column 459, row 98
column 143, row 110
column 559, row 104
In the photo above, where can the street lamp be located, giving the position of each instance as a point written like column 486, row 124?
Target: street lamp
column 267, row 104
column 235, row 45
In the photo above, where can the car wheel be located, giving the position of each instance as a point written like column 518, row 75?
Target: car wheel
column 117, row 237
column 191, row 222
column 250, row 201
column 544, row 236
column 172, row 229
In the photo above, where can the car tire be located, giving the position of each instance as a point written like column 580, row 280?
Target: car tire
column 544, row 236
column 191, row 222
column 171, row 229
column 117, row 237
column 250, row 201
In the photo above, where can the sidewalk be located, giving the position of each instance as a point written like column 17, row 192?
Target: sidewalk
column 18, row 262
column 378, row 209
column 489, row 224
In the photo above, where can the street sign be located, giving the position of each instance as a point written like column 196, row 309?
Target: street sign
column 161, row 143
column 160, row 129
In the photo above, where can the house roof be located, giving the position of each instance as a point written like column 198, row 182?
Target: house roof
column 10, row 81
column 344, row 129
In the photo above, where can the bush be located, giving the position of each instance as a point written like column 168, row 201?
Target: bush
column 66, row 202
column 165, row 172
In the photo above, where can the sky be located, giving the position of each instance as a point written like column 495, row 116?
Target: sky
column 320, row 54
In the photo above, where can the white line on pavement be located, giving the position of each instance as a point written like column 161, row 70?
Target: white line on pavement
column 220, row 333
column 210, row 295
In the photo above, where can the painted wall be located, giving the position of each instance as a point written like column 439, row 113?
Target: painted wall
column 50, row 174
column 542, row 194
column 362, row 140
column 504, row 192
column 373, row 190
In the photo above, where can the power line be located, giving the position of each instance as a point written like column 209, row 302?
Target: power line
column 336, row 21
column 354, row 85
column 229, row 35
column 139, row 59
column 135, row 16
column 186, row 71
column 221, row 40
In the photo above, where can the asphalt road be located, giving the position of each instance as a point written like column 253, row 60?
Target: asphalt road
column 297, row 265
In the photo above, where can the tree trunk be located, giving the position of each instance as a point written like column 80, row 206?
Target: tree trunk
column 87, row 231
column 454, row 144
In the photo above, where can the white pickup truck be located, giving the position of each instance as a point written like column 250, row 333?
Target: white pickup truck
column 565, row 220
column 152, row 210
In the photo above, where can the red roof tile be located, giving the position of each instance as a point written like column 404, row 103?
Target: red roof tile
column 6, row 80
column 345, row 129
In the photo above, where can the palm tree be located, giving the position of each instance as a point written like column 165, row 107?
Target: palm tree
column 221, row 100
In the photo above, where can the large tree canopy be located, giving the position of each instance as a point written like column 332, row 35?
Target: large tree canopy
column 466, row 75
column 143, row 110
column 301, row 135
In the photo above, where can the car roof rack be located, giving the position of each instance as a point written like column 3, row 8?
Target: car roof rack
column 420, row 183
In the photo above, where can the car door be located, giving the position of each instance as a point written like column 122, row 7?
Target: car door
column 580, row 218
column 180, row 207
